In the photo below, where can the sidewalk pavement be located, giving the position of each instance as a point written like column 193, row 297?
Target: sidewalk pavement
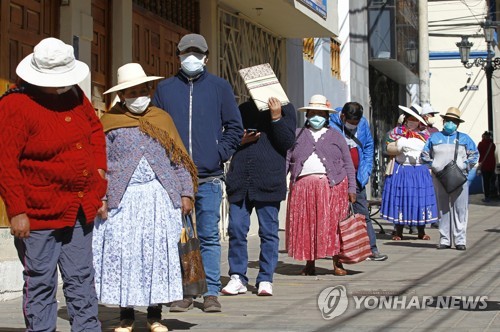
column 414, row 268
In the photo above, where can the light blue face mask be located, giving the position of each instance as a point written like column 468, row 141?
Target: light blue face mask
column 450, row 127
column 317, row 122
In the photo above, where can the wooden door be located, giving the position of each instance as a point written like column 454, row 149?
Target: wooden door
column 155, row 43
column 101, row 53
column 23, row 23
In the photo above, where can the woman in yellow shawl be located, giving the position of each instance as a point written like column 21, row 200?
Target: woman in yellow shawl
column 151, row 184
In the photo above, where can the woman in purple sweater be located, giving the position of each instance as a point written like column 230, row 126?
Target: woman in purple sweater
column 151, row 184
column 322, row 182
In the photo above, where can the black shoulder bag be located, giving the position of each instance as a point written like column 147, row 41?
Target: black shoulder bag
column 451, row 176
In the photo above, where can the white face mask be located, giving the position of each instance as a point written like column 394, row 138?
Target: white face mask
column 431, row 121
column 138, row 105
column 62, row 90
column 192, row 63
column 412, row 125
column 350, row 126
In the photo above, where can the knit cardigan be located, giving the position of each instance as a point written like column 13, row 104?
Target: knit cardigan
column 331, row 149
column 257, row 169
column 52, row 147
column 126, row 147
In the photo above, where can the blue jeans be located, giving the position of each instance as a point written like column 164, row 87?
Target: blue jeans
column 207, row 204
column 239, row 224
column 361, row 206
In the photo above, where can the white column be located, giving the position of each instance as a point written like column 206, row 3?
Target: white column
column 423, row 52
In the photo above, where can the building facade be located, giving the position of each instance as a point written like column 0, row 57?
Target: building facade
column 109, row 33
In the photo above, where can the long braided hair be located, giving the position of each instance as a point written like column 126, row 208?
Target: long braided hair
column 19, row 87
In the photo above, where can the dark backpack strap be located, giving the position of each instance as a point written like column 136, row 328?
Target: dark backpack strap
column 456, row 147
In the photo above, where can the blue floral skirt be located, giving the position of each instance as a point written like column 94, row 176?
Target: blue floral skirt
column 136, row 258
column 408, row 197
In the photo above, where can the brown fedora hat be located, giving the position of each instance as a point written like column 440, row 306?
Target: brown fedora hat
column 452, row 113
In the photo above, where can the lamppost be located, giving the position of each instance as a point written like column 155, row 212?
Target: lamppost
column 488, row 65
column 412, row 54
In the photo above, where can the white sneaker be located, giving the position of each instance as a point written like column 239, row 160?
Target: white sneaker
column 234, row 286
column 265, row 288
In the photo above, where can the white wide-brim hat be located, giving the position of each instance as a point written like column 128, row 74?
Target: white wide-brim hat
column 427, row 109
column 52, row 64
column 317, row 102
column 129, row 75
column 415, row 111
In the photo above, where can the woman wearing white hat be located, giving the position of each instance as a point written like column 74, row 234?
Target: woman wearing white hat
column 322, row 181
column 53, row 164
column 151, row 183
column 408, row 198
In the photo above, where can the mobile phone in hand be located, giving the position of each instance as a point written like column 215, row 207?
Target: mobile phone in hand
column 252, row 131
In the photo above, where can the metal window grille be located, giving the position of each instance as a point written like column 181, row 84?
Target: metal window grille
column 243, row 44
column 335, row 58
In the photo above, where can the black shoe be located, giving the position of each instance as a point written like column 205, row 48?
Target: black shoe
column 443, row 246
column 377, row 257
column 460, row 247
column 182, row 305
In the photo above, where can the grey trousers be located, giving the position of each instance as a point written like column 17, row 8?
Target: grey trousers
column 41, row 253
column 453, row 214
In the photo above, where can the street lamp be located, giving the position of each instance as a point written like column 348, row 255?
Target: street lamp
column 411, row 54
column 488, row 65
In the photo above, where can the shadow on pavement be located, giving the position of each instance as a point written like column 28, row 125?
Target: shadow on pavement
column 474, row 305
column 403, row 243
column 110, row 318
column 492, row 230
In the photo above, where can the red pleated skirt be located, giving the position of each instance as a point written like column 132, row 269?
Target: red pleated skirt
column 313, row 215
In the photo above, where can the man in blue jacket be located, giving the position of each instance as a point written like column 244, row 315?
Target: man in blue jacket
column 206, row 115
column 356, row 130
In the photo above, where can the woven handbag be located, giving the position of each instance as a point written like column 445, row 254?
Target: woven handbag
column 354, row 241
column 194, row 281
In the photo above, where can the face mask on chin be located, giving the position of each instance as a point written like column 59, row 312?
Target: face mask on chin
column 192, row 63
column 138, row 105
column 316, row 122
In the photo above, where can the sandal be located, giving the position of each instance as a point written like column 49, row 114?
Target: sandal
column 126, row 325
column 157, row 327
column 397, row 238
column 424, row 237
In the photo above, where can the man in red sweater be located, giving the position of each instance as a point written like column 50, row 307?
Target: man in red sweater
column 487, row 164
column 52, row 183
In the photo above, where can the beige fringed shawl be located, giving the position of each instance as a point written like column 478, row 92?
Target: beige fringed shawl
column 159, row 125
